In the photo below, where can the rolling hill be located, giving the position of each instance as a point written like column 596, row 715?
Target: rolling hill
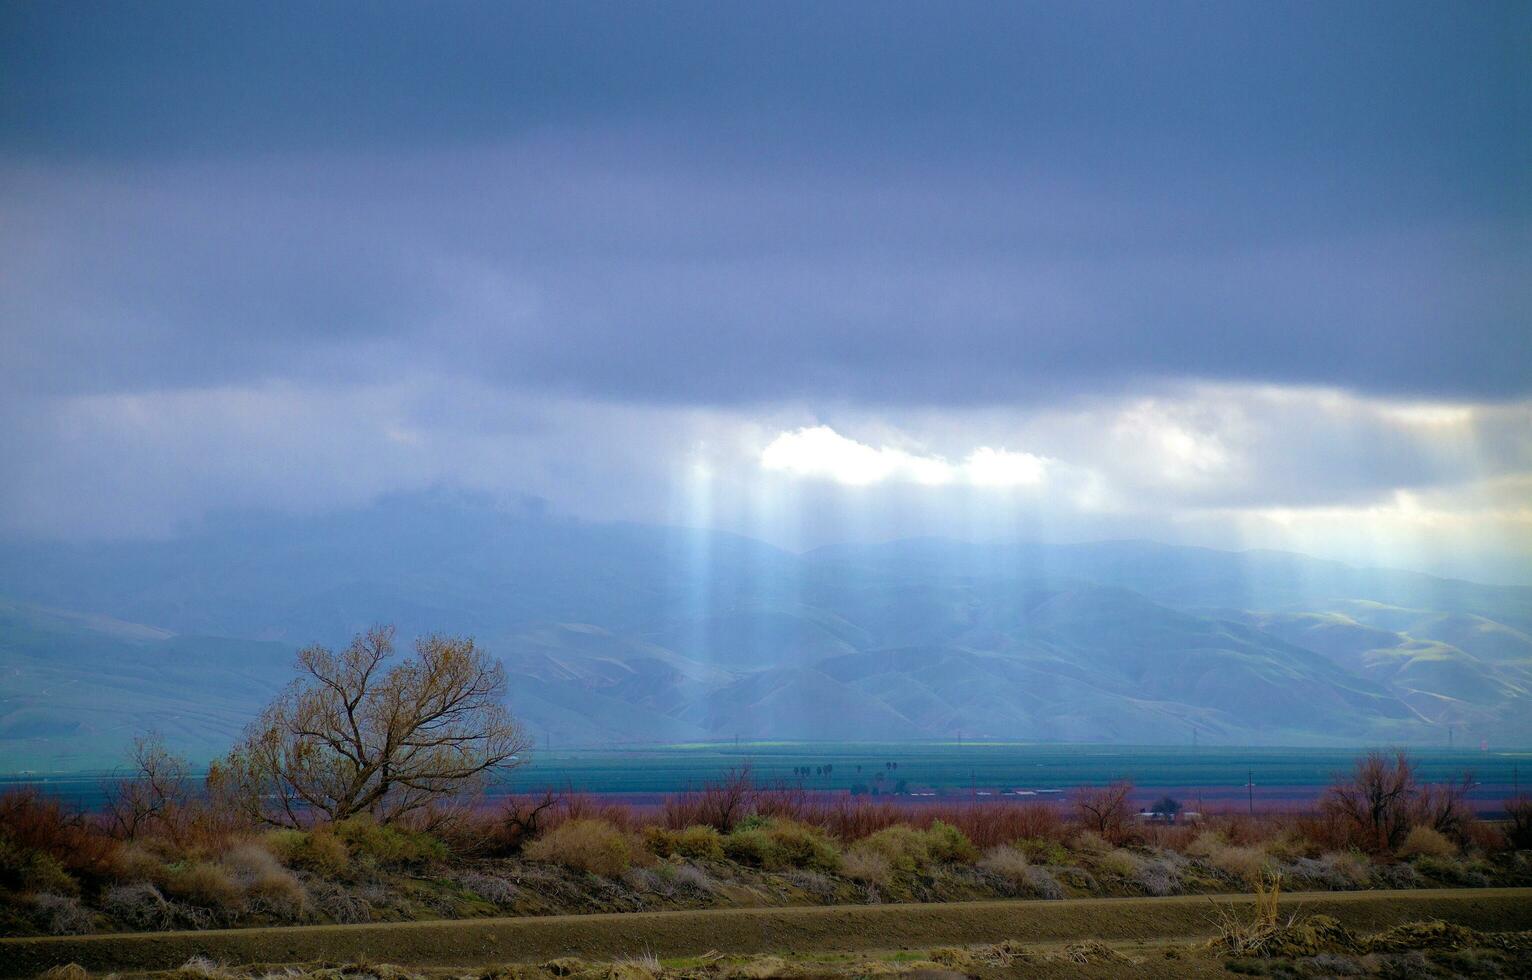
column 624, row 633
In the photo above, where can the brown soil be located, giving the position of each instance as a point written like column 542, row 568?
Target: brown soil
column 781, row 931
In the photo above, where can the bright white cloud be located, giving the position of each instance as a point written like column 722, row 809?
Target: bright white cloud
column 988, row 467
column 819, row 451
column 822, row 453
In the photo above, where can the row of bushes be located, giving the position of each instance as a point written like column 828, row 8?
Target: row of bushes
column 191, row 850
column 774, row 844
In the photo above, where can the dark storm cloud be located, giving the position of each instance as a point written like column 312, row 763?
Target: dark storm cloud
column 713, row 203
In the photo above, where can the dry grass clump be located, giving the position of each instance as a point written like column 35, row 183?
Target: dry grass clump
column 490, row 887
column 1239, row 937
column 140, row 905
column 69, row 971
column 137, row 861
column 1007, row 862
column 1244, row 863
column 1120, row 862
column 1013, row 865
column 204, row 884
column 1426, row 842
column 585, row 845
column 1089, row 842
column 866, row 865
column 1351, row 866
column 63, row 915
column 269, row 887
column 202, row 968
column 1158, row 877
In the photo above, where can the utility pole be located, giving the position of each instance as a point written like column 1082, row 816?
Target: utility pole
column 1250, row 789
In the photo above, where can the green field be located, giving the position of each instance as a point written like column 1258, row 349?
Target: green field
column 991, row 767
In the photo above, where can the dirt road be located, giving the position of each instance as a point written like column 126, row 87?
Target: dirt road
column 780, row 930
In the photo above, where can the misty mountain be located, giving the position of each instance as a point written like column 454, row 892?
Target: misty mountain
column 626, row 633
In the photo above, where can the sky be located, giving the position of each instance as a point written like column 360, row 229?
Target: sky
column 1232, row 274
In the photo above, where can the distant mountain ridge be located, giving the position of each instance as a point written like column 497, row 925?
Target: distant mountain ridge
column 627, row 633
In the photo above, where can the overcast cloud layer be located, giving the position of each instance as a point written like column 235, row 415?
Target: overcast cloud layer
column 1235, row 274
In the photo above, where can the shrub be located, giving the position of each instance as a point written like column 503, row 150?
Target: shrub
column 803, row 846
column 31, row 822
column 904, row 847
column 204, row 884
column 1042, row 850
column 585, row 845
column 316, row 850
column 26, row 869
column 750, row 845
column 1426, row 842
column 1089, row 842
column 777, row 844
column 946, row 843
column 387, row 845
column 697, row 842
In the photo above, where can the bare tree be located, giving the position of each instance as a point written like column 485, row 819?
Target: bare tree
column 353, row 735
column 154, row 795
column 1374, row 802
column 1444, row 807
column 1518, row 822
column 720, row 804
column 524, row 818
column 1105, row 809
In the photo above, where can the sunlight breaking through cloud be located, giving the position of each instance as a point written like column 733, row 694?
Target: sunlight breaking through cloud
column 821, row 452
